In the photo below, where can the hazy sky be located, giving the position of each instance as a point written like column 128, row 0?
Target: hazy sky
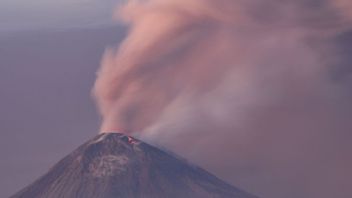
column 38, row 69
column 34, row 14
column 34, row 60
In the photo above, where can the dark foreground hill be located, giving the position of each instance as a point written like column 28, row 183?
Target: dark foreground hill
column 118, row 166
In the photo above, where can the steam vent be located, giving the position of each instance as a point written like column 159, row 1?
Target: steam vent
column 118, row 166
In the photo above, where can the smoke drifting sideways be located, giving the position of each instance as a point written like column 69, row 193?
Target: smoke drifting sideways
column 255, row 91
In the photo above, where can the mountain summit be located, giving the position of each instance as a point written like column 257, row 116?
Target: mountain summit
column 114, row 165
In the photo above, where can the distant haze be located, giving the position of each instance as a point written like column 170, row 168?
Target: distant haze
column 22, row 15
column 45, row 96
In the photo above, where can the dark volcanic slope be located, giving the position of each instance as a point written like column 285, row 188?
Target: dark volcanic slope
column 119, row 166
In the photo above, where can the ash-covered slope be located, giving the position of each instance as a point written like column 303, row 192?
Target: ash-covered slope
column 118, row 166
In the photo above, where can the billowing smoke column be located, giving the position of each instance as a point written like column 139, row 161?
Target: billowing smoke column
column 257, row 91
column 173, row 49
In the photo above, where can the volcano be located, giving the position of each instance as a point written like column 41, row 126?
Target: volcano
column 114, row 165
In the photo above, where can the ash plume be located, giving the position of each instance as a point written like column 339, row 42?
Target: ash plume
column 256, row 91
